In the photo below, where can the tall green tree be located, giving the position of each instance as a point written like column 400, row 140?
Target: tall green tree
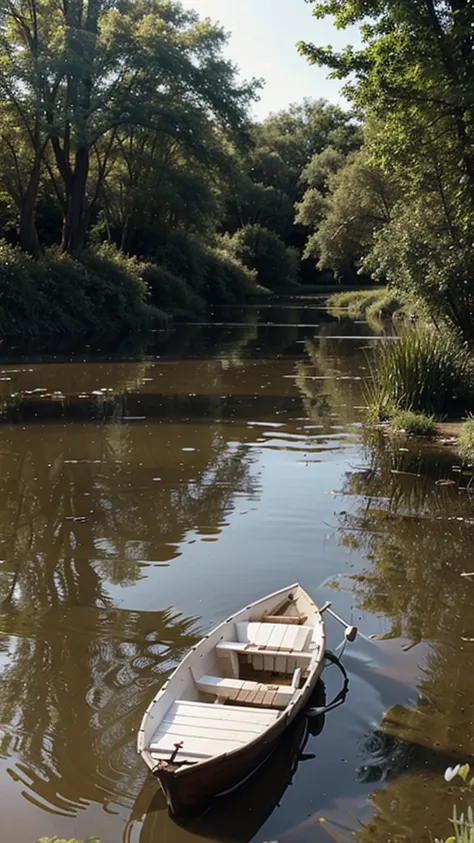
column 78, row 74
column 354, row 201
column 272, row 174
column 414, row 73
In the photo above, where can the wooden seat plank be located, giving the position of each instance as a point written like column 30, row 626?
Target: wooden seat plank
column 238, row 690
column 285, row 619
column 205, row 747
column 225, row 647
column 201, row 730
column 214, row 725
column 195, row 708
column 273, row 636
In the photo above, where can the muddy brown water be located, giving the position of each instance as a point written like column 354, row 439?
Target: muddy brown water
column 224, row 461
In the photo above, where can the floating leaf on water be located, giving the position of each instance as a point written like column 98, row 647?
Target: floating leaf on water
column 451, row 772
column 464, row 771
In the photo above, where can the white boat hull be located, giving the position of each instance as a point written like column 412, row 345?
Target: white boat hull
column 210, row 726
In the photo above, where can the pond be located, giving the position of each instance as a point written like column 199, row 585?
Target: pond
column 146, row 495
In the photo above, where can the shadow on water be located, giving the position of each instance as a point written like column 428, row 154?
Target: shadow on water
column 224, row 460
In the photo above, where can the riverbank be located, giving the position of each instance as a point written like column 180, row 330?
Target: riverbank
column 440, row 433
column 422, row 385
column 372, row 303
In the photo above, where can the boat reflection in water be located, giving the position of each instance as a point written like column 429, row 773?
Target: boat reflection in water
column 237, row 816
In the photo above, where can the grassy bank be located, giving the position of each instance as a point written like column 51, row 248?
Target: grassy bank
column 104, row 292
column 422, row 372
column 420, row 379
column 379, row 303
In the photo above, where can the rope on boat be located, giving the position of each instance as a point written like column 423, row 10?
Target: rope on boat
column 340, row 697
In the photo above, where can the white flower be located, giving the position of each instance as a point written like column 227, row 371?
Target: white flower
column 451, row 772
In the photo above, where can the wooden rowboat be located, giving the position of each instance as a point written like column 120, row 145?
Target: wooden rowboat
column 222, row 711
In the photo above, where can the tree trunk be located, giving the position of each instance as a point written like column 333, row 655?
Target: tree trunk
column 75, row 218
column 27, row 233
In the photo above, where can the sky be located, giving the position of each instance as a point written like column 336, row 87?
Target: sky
column 263, row 44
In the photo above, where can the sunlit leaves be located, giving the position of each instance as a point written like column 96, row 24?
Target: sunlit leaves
column 76, row 80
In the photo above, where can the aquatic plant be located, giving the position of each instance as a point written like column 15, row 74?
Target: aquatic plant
column 423, row 371
column 466, row 441
column 71, row 840
column 415, row 424
column 464, row 823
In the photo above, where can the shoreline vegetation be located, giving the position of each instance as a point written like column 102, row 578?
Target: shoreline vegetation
column 378, row 304
column 403, row 209
column 422, row 384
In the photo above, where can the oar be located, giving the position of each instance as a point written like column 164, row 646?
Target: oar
column 350, row 632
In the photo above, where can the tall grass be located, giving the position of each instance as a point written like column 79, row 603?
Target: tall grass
column 422, row 371
column 466, row 441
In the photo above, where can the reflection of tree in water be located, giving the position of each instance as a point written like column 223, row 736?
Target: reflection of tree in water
column 331, row 380
column 78, row 681
column 80, row 509
column 65, row 519
column 417, row 533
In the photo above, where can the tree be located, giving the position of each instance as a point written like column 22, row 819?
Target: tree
column 355, row 202
column 414, row 74
column 264, row 252
column 155, row 182
column 78, row 74
column 304, row 130
column 24, row 29
column 416, row 55
column 283, row 147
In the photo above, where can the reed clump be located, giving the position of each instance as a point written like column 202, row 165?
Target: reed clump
column 421, row 371
column 466, row 441
column 414, row 424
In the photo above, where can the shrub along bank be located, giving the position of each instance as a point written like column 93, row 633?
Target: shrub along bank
column 103, row 291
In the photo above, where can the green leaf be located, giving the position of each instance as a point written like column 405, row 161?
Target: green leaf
column 464, row 772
